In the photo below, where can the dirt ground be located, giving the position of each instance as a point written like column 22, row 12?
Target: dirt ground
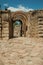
column 21, row 51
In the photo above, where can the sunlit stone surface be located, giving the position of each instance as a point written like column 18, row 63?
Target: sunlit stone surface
column 21, row 51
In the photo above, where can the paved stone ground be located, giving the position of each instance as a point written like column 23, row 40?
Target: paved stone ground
column 21, row 51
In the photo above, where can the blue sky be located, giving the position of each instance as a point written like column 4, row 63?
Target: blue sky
column 33, row 4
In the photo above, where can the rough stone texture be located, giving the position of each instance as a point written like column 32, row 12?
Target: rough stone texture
column 21, row 51
column 32, row 19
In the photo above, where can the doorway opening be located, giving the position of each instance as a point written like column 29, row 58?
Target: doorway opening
column 17, row 28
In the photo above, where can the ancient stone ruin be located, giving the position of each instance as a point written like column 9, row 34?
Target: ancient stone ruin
column 21, row 37
column 21, row 24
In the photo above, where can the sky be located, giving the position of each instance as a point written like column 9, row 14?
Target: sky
column 22, row 4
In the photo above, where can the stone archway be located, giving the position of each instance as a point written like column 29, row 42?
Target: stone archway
column 20, row 16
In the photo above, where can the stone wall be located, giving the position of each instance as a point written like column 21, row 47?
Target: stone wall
column 5, row 30
column 4, row 26
column 35, row 23
column 32, row 19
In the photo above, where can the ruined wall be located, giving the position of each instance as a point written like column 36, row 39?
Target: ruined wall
column 4, row 26
column 35, row 23
column 32, row 19
column 23, row 50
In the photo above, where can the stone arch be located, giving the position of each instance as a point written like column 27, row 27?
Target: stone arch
column 19, row 15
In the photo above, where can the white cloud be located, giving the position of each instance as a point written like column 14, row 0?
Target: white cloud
column 5, row 4
column 19, row 8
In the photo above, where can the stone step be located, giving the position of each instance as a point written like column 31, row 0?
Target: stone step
column 5, row 23
column 5, row 32
column 5, row 26
column 6, row 35
column 40, row 23
column 41, row 36
column 5, row 29
column 40, row 32
column 40, row 29
column 5, row 39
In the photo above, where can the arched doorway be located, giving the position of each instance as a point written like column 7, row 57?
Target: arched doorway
column 21, row 18
column 17, row 28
